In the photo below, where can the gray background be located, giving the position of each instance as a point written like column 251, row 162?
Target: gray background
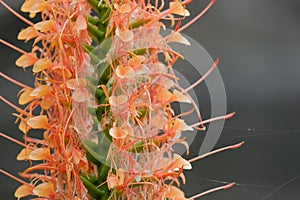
column 258, row 45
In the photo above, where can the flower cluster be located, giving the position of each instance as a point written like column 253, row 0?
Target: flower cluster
column 102, row 95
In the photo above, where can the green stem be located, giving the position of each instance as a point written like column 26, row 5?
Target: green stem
column 93, row 20
column 92, row 189
column 95, row 33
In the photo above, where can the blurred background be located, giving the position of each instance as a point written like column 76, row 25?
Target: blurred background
column 258, row 43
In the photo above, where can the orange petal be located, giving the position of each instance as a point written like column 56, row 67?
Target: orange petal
column 81, row 23
column 177, row 37
column 179, row 162
column 28, row 33
column 42, row 64
column 117, row 133
column 125, row 36
column 40, row 91
column 26, row 60
column 124, row 8
column 44, row 190
column 178, row 96
column 112, row 181
column 24, row 127
column 175, row 193
column 28, row 4
column 76, row 156
column 38, row 122
column 180, row 125
column 136, row 60
column 76, row 83
column 164, row 96
column 47, row 102
column 24, row 154
column 34, row 6
column 83, row 164
column 62, row 71
column 178, row 9
column 119, row 100
column 80, row 95
column 125, row 72
column 39, row 6
column 23, row 191
column 25, row 96
column 46, row 26
column 40, row 154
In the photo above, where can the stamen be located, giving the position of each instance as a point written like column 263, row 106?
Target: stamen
column 13, row 47
column 225, row 187
column 13, row 177
column 211, row 3
column 203, row 77
column 16, row 14
column 13, row 106
column 214, row 119
column 13, row 140
column 216, row 151
column 14, row 81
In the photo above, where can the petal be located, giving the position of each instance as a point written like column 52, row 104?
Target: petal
column 175, row 193
column 177, row 37
column 119, row 100
column 124, row 8
column 40, row 91
column 117, row 133
column 47, row 102
column 76, row 83
column 179, row 162
column 40, row 65
column 23, row 191
column 27, row 5
column 125, row 36
column 177, row 8
column 136, row 60
column 24, row 154
column 25, row 96
column 28, row 33
column 180, row 125
column 26, row 60
column 38, row 122
column 46, row 26
column 164, row 96
column 44, row 190
column 80, row 95
column 81, row 23
column 125, row 72
column 178, row 96
column 40, row 154
column 39, row 6
column 62, row 71
column 112, row 181
column 24, row 127
column 83, row 164
column 76, row 156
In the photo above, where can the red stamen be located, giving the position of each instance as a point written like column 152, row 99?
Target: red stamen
column 12, row 139
column 16, row 14
column 214, row 119
column 13, row 47
column 13, row 106
column 203, row 77
column 13, row 177
column 225, row 187
column 211, row 3
column 216, row 151
column 14, row 81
